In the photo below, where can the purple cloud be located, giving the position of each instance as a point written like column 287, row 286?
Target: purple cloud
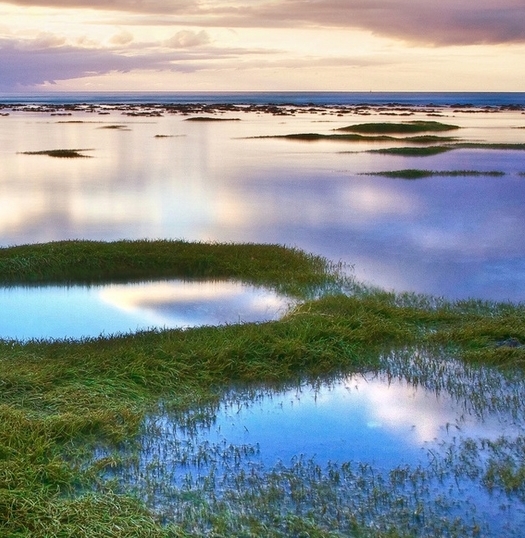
column 47, row 60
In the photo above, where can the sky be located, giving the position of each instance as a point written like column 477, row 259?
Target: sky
column 265, row 45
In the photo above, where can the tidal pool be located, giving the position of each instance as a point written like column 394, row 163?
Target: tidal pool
column 427, row 445
column 91, row 311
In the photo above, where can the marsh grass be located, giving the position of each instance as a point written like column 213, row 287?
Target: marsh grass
column 413, row 152
column 438, row 149
column 354, row 137
column 60, row 153
column 61, row 399
column 116, row 127
column 415, row 173
column 210, row 118
column 399, row 128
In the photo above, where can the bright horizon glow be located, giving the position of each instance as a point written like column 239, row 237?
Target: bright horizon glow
column 264, row 45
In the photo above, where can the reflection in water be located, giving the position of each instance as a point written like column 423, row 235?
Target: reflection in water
column 457, row 237
column 81, row 311
column 423, row 447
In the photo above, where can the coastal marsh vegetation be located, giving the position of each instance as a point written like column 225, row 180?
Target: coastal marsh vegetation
column 399, row 128
column 407, row 151
column 415, row 173
column 354, row 137
column 68, row 408
column 60, row 153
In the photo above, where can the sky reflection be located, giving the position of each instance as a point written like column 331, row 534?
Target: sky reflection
column 457, row 237
column 369, row 418
column 81, row 311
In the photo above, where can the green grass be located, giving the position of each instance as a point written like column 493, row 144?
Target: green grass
column 413, row 152
column 288, row 269
column 436, row 150
column 59, row 399
column 59, row 153
column 399, row 128
column 415, row 173
column 353, row 137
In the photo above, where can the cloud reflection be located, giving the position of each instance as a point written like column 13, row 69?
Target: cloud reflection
column 193, row 303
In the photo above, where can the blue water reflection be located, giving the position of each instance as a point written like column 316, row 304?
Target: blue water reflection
column 81, row 311
column 431, row 440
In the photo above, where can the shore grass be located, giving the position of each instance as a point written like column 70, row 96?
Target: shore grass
column 415, row 173
column 59, row 399
column 288, row 269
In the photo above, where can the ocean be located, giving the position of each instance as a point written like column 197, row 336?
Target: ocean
column 497, row 99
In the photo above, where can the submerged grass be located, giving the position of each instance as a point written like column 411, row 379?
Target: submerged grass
column 58, row 399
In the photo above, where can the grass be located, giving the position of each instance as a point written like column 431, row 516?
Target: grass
column 399, row 128
column 60, row 153
column 116, row 127
column 60, row 399
column 415, row 173
column 210, row 118
column 353, row 137
column 414, row 152
column 92, row 261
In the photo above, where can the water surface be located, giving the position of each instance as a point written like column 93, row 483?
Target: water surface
column 212, row 181
column 427, row 448
column 82, row 311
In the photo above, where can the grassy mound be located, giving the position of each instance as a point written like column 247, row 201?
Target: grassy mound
column 399, row 128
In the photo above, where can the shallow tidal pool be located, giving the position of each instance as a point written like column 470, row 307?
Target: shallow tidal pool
column 56, row 312
column 428, row 446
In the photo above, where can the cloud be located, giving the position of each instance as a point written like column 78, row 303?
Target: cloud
column 187, row 38
column 443, row 22
column 447, row 22
column 25, row 64
column 43, row 40
column 134, row 6
column 32, row 63
column 123, row 38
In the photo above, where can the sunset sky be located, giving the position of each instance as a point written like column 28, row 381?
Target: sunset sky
column 206, row 45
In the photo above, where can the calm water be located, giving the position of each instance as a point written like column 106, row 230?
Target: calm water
column 459, row 237
column 165, row 177
column 298, row 98
column 442, row 435
column 80, row 311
